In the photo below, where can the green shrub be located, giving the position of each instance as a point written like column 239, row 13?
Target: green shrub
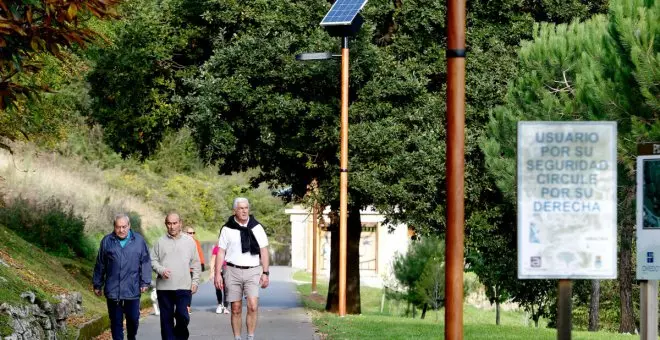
column 88, row 144
column 176, row 153
column 136, row 222
column 421, row 271
column 471, row 283
column 52, row 225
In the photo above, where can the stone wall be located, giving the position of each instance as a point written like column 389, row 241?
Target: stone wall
column 41, row 319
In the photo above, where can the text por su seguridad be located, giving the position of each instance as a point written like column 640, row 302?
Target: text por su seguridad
column 567, row 173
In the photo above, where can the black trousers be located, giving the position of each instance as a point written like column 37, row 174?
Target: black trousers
column 116, row 311
column 219, row 294
column 174, row 317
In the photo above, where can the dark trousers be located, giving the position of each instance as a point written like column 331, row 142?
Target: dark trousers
column 220, row 292
column 219, row 296
column 116, row 311
column 174, row 317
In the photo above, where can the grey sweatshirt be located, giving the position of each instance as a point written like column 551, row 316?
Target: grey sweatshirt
column 179, row 255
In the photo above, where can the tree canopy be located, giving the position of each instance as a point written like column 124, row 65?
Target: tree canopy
column 32, row 32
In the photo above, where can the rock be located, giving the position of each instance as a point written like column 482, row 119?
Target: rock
column 46, row 323
column 41, row 319
column 47, row 306
column 69, row 304
column 3, row 263
column 29, row 295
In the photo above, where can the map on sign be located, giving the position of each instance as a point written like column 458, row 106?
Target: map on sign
column 343, row 12
column 567, row 200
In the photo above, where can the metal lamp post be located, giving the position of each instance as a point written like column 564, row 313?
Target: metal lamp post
column 343, row 20
column 343, row 164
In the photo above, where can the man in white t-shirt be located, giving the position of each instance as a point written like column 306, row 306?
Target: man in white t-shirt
column 244, row 245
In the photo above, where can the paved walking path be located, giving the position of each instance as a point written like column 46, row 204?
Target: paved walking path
column 280, row 313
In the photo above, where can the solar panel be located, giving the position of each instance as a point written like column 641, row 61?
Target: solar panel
column 343, row 12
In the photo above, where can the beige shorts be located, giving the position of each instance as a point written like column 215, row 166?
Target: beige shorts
column 241, row 282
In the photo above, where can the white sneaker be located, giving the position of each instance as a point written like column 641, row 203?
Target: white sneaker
column 220, row 309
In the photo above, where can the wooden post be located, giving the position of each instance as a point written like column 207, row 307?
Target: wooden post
column 455, row 168
column 343, row 178
column 648, row 310
column 377, row 245
column 564, row 323
column 315, row 244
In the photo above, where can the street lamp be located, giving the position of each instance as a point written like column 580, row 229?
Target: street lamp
column 343, row 20
column 316, row 56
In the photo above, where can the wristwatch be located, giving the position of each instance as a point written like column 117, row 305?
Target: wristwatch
column 267, row 273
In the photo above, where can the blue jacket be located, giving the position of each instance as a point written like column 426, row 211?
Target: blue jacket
column 122, row 271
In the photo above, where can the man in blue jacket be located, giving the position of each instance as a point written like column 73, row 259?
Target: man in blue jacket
column 123, row 270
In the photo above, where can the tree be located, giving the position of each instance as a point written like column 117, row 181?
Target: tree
column 535, row 297
column 136, row 79
column 601, row 69
column 492, row 256
column 30, row 32
column 276, row 113
column 421, row 272
column 431, row 286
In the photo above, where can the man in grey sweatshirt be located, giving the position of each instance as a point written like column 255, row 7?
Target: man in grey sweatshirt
column 172, row 257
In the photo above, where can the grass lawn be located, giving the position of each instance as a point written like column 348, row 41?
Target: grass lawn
column 392, row 323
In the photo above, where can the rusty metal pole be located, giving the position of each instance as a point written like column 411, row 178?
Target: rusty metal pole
column 455, row 168
column 343, row 179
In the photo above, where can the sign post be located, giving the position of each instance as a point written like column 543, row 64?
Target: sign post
column 567, row 205
column 648, row 236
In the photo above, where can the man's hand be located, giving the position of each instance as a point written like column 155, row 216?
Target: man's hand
column 193, row 289
column 143, row 289
column 97, row 292
column 218, row 282
column 166, row 273
column 264, row 280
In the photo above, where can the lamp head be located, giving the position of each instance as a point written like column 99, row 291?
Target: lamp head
column 316, row 56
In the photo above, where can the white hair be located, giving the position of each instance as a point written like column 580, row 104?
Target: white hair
column 119, row 217
column 240, row 200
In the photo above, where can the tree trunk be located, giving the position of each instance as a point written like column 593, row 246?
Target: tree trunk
column 426, row 305
column 594, row 306
column 625, row 282
column 354, row 228
column 627, row 232
column 497, row 305
column 535, row 317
